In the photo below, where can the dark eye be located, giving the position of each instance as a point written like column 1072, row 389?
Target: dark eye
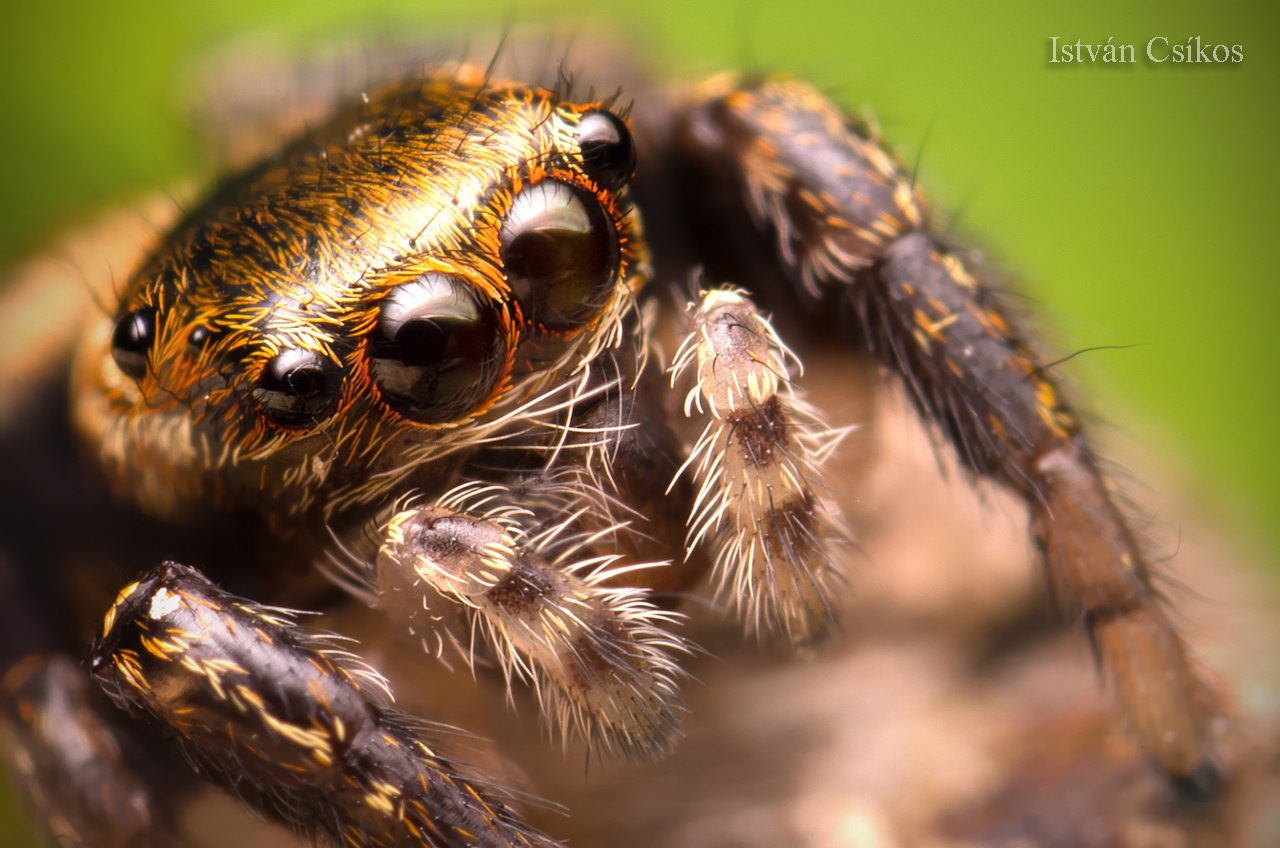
column 560, row 253
column 298, row 388
column 198, row 338
column 437, row 351
column 608, row 153
column 131, row 340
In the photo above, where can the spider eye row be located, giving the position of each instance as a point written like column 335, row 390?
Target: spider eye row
column 436, row 349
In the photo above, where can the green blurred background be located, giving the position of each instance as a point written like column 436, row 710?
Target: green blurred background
column 1135, row 201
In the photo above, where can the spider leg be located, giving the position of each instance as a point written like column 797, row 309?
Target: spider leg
column 847, row 229
column 288, row 720
column 86, row 777
column 757, row 465
column 540, row 595
column 67, row 759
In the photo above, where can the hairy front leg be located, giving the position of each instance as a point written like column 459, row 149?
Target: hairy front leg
column 761, row 501
column 474, row 565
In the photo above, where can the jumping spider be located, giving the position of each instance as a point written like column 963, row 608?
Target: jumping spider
column 427, row 351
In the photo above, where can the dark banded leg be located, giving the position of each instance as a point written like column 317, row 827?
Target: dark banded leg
column 850, row 233
column 542, row 598
column 289, row 721
column 759, row 501
column 68, row 763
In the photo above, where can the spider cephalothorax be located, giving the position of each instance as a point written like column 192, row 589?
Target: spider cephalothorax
column 431, row 261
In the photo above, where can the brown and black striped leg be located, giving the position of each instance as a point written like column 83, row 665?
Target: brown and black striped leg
column 289, row 721
column 849, row 232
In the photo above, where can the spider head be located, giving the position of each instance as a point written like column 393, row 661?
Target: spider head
column 394, row 287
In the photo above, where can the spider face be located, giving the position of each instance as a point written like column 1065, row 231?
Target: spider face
column 420, row 350
column 403, row 277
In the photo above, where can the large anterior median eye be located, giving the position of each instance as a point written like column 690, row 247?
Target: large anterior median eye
column 436, row 351
column 560, row 254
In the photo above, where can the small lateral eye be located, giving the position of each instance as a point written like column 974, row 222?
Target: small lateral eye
column 131, row 340
column 198, row 338
column 437, row 351
column 560, row 253
column 298, row 388
column 608, row 152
